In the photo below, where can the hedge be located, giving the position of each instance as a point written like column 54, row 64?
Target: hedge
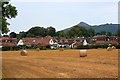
column 8, row 48
column 13, row 48
column 5, row 48
column 96, row 46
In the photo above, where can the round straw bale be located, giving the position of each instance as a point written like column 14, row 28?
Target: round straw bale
column 83, row 53
column 113, row 47
column 23, row 53
column 61, row 49
column 109, row 49
column 37, row 49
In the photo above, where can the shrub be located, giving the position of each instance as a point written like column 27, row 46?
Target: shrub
column 15, row 48
column 43, row 48
column 117, row 46
column 5, row 48
column 22, row 46
column 83, row 47
column 48, row 47
column 34, row 46
column 95, row 46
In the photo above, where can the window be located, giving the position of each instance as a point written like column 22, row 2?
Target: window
column 33, row 40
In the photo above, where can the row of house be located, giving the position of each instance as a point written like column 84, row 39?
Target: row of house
column 56, row 43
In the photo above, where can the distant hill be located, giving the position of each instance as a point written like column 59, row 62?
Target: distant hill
column 98, row 28
column 106, row 27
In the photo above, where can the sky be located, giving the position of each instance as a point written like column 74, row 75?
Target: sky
column 61, row 15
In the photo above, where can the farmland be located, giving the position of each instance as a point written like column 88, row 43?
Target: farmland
column 99, row 63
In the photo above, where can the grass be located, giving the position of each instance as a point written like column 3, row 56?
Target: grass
column 60, row 64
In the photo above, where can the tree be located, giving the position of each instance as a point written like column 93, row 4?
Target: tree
column 37, row 31
column 109, row 34
column 13, row 35
column 118, row 33
column 21, row 35
column 8, row 11
column 60, row 34
column 103, row 32
column 77, row 31
column 91, row 32
column 51, row 31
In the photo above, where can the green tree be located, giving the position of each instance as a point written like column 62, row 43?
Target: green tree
column 13, row 35
column 37, row 31
column 60, row 34
column 77, row 31
column 109, row 34
column 103, row 32
column 51, row 31
column 91, row 32
column 7, row 11
column 21, row 35
column 118, row 32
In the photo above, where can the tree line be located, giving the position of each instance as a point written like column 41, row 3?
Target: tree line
column 75, row 31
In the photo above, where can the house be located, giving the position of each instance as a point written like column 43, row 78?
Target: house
column 45, row 41
column 56, row 43
column 29, row 41
column 69, row 43
column 41, row 41
column 20, row 42
column 105, row 40
column 7, row 41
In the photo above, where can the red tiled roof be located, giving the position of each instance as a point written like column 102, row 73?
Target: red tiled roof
column 30, row 41
column 7, row 38
column 10, row 41
column 98, row 42
column 8, row 44
column 114, row 42
column 43, row 41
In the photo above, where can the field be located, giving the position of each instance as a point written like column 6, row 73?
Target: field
column 99, row 63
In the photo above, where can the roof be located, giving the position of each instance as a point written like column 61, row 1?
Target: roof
column 42, row 41
column 10, row 41
column 30, row 41
column 8, row 44
column 7, row 38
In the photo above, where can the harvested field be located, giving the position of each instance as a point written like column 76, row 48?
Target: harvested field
column 60, row 64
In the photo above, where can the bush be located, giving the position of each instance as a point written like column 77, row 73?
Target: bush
column 92, row 46
column 48, row 47
column 117, row 46
column 15, row 48
column 5, row 48
column 22, row 46
column 83, row 47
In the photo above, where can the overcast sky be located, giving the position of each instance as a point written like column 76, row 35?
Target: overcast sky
column 62, row 15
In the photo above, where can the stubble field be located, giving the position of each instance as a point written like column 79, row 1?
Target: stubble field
column 99, row 63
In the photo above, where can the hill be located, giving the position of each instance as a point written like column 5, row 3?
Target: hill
column 98, row 28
